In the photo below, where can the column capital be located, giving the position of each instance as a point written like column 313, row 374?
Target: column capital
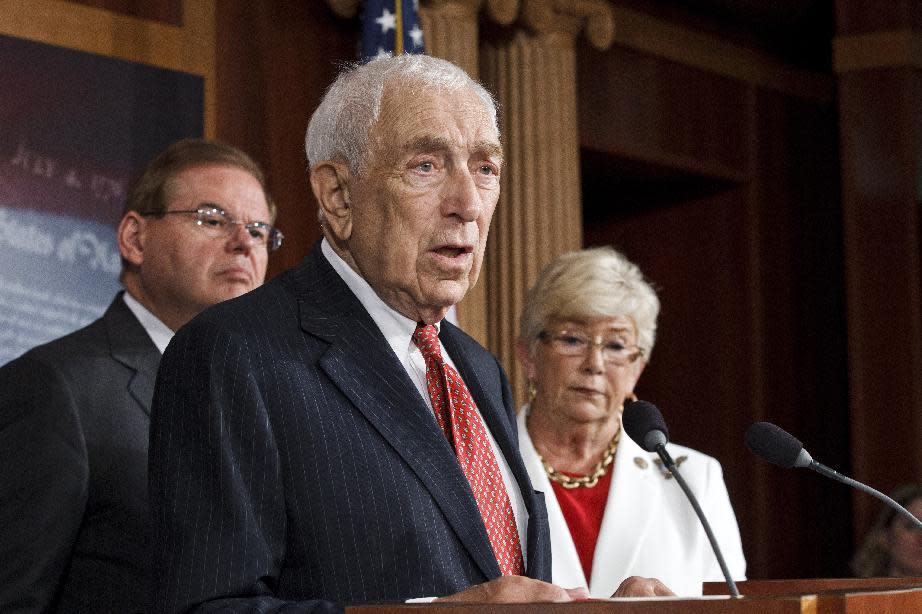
column 344, row 8
column 570, row 17
column 503, row 12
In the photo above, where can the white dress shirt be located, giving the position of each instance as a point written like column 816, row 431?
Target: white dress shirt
column 159, row 332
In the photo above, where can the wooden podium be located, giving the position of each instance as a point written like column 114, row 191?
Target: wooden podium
column 834, row 596
column 816, row 596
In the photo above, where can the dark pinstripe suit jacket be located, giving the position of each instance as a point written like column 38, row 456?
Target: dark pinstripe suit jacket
column 293, row 460
column 74, row 415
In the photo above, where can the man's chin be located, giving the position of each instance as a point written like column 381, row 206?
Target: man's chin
column 448, row 293
column 437, row 300
column 232, row 290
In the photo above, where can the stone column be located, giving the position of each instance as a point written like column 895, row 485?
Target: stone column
column 532, row 71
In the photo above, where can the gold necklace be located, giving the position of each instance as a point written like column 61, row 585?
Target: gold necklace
column 585, row 481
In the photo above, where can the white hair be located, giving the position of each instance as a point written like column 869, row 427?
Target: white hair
column 595, row 282
column 339, row 129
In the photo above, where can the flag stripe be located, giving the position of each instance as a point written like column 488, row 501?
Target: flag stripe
column 398, row 29
column 390, row 27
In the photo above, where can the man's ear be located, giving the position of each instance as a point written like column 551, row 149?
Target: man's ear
column 130, row 236
column 330, row 184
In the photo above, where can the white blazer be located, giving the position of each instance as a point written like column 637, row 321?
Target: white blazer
column 649, row 528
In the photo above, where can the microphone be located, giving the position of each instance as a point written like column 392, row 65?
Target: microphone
column 644, row 423
column 777, row 446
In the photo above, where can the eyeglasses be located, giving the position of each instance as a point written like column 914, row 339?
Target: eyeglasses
column 217, row 223
column 577, row 343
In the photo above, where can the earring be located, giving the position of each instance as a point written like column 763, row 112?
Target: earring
column 531, row 390
column 628, row 398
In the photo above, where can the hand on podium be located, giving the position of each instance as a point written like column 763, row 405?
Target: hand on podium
column 519, row 589
column 636, row 586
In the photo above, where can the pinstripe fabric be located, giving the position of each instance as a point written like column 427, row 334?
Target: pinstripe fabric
column 293, row 460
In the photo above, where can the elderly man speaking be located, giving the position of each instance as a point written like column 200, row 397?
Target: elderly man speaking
column 329, row 439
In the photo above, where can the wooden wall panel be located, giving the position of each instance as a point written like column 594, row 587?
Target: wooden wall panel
column 879, row 64
column 881, row 162
column 274, row 62
column 726, row 195
column 803, row 341
column 166, row 11
column 859, row 16
column 646, row 108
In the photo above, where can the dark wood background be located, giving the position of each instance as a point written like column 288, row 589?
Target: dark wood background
column 781, row 232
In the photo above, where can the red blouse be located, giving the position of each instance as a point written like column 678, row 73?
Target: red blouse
column 583, row 509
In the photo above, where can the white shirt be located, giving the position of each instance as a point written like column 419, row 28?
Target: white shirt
column 398, row 331
column 159, row 332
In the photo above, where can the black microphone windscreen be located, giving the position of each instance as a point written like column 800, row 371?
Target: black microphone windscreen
column 640, row 418
column 774, row 444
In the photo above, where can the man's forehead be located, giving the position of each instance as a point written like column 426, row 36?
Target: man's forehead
column 227, row 186
column 220, row 173
column 418, row 98
column 435, row 143
column 438, row 121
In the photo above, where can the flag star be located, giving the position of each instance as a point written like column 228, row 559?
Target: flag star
column 387, row 21
column 382, row 53
column 417, row 35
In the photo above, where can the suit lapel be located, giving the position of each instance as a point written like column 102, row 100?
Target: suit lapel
column 635, row 495
column 131, row 346
column 362, row 365
column 566, row 569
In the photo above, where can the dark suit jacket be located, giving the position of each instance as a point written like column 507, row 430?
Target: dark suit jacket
column 74, row 416
column 292, row 459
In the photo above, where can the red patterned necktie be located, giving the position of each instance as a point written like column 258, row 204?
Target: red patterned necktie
column 457, row 414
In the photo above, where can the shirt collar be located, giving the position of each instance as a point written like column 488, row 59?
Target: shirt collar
column 396, row 327
column 159, row 332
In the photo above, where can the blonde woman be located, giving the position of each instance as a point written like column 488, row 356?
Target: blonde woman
column 587, row 332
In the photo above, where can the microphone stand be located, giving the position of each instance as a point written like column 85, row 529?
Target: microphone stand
column 835, row 475
column 670, row 464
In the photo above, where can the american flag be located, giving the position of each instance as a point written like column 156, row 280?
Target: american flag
column 391, row 27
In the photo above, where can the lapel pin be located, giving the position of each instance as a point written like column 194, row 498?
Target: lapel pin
column 666, row 473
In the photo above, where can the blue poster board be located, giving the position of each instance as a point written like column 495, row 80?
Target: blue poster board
column 75, row 128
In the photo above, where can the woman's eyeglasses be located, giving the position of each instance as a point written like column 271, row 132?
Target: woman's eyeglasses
column 578, row 343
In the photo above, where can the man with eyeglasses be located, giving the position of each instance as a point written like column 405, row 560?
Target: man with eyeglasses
column 75, row 413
